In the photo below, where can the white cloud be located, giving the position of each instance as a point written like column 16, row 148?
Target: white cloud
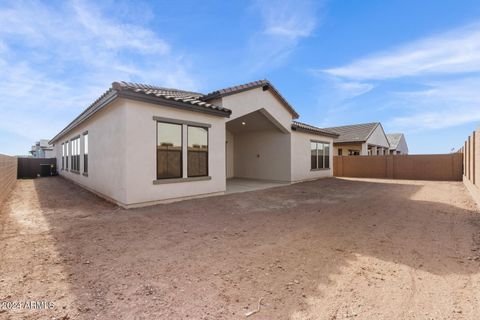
column 290, row 19
column 351, row 89
column 452, row 52
column 118, row 36
column 55, row 61
column 443, row 104
column 283, row 25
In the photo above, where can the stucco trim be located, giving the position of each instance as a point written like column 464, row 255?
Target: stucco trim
column 186, row 122
column 177, row 180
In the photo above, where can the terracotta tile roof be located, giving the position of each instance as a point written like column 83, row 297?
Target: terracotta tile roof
column 355, row 132
column 309, row 128
column 247, row 86
column 178, row 98
column 182, row 96
column 194, row 101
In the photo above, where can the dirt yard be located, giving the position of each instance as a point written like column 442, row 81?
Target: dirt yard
column 328, row 249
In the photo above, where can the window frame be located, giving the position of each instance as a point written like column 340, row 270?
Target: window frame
column 208, row 151
column 75, row 154
column 156, row 150
column 324, row 156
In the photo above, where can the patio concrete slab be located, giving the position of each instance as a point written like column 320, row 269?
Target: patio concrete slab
column 236, row 185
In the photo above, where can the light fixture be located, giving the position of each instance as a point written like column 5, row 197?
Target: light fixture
column 243, row 123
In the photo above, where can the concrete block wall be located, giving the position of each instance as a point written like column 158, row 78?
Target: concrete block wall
column 471, row 164
column 8, row 176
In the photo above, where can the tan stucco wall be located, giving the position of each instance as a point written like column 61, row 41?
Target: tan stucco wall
column 8, row 176
column 107, row 149
column 301, row 161
column 263, row 155
column 251, row 100
column 141, row 154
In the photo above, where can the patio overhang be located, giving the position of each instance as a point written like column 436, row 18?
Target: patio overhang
column 259, row 120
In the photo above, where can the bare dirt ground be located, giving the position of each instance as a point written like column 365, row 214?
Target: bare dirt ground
column 328, row 249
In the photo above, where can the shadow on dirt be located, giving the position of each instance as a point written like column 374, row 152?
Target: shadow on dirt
column 216, row 256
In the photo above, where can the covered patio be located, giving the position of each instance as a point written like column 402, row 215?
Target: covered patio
column 257, row 148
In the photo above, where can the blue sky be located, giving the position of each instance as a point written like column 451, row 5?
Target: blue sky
column 412, row 65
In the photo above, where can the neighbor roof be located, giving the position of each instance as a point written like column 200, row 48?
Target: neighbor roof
column 394, row 140
column 248, row 86
column 299, row 126
column 355, row 132
column 153, row 94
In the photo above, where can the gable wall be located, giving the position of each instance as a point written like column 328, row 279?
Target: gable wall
column 402, row 146
column 378, row 138
column 252, row 100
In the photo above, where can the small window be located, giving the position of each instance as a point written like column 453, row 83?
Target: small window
column 353, row 152
column 314, row 158
column 320, row 155
column 169, row 150
column 197, row 151
column 67, row 147
column 75, row 154
column 85, row 153
column 63, row 156
column 340, row 152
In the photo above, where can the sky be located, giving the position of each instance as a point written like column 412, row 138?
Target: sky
column 412, row 65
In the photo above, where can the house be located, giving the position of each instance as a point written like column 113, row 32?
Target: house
column 139, row 145
column 360, row 139
column 398, row 144
column 42, row 149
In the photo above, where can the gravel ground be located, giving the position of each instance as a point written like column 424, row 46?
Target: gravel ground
column 327, row 249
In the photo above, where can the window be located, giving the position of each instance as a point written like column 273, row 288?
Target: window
column 75, row 156
column 169, row 150
column 320, row 155
column 197, row 163
column 63, row 156
column 353, row 152
column 85, row 152
column 67, row 145
column 340, row 152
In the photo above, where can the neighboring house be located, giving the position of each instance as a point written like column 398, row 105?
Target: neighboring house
column 138, row 144
column 42, row 149
column 360, row 139
column 398, row 144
